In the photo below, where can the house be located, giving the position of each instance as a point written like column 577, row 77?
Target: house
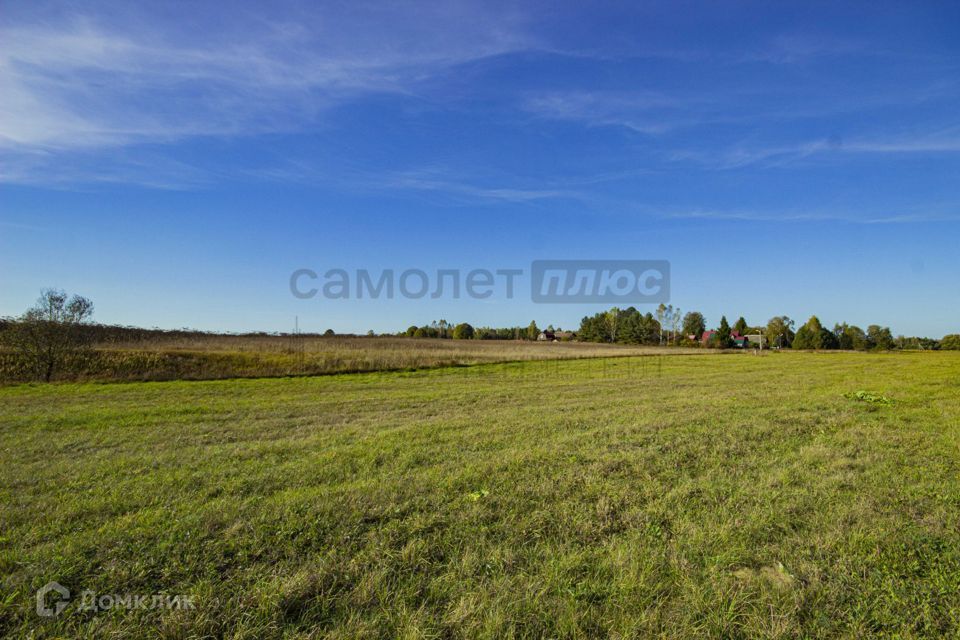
column 555, row 336
column 739, row 341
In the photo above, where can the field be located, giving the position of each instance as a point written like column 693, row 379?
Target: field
column 686, row 496
column 214, row 357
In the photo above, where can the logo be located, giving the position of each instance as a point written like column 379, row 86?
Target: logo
column 59, row 599
column 600, row 281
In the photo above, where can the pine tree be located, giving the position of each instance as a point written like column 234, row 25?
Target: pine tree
column 722, row 336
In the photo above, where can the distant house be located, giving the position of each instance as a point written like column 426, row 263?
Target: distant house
column 555, row 336
column 739, row 341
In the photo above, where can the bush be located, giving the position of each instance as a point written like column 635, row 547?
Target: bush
column 951, row 342
column 462, row 331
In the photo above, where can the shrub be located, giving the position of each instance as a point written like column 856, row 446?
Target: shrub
column 951, row 342
column 462, row 331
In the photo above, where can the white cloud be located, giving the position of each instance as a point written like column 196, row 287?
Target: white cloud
column 642, row 112
column 429, row 181
column 940, row 141
column 81, row 84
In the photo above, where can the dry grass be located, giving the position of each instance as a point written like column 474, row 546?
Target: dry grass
column 220, row 357
column 400, row 349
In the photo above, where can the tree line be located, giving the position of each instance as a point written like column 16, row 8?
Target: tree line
column 58, row 326
column 466, row 331
column 668, row 326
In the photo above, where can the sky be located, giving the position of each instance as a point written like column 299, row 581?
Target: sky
column 175, row 162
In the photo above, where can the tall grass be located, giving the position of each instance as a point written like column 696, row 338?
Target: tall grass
column 207, row 357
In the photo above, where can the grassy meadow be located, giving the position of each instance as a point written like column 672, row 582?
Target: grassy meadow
column 726, row 496
column 217, row 357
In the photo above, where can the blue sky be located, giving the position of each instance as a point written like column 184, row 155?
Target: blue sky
column 175, row 162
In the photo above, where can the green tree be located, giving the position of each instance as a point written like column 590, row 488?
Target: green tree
column 827, row 339
column 812, row 335
column 630, row 326
column 950, row 342
column 532, row 331
column 880, row 338
column 740, row 326
column 612, row 318
column 694, row 324
column 412, row 330
column 780, row 331
column 722, row 339
column 850, row 337
column 663, row 317
column 463, row 331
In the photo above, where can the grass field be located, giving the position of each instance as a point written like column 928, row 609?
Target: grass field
column 713, row 496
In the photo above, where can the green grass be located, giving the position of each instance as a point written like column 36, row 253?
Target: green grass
column 729, row 496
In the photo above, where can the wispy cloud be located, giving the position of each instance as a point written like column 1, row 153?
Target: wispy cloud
column 455, row 187
column 641, row 112
column 813, row 216
column 20, row 226
column 946, row 140
column 430, row 181
column 82, row 83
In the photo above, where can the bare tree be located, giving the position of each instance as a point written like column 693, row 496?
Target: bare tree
column 50, row 332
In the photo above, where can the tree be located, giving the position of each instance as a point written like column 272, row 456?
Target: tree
column 813, row 335
column 827, row 339
column 50, row 332
column 663, row 314
column 740, row 326
column 850, row 337
column 694, row 324
column 879, row 337
column 612, row 319
column 722, row 338
column 950, row 342
column 592, row 329
column 532, row 331
column 462, row 331
column 675, row 320
column 652, row 329
column 331, row 332
column 808, row 336
column 780, row 331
